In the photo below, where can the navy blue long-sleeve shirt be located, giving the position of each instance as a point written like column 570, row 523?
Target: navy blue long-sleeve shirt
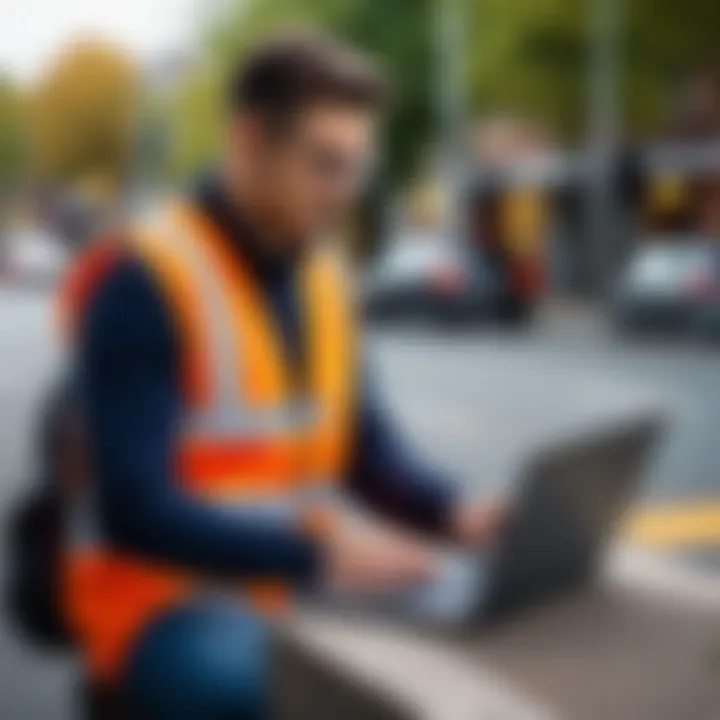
column 129, row 379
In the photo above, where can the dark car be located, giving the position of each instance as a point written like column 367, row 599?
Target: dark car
column 671, row 285
column 422, row 277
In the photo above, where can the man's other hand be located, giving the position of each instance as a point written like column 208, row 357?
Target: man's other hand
column 476, row 524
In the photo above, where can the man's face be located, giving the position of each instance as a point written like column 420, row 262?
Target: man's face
column 309, row 176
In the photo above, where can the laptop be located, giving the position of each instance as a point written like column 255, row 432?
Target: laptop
column 572, row 496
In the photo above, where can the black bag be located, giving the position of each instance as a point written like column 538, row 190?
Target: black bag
column 36, row 536
column 34, row 573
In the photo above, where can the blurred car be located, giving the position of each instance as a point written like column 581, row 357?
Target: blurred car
column 422, row 277
column 33, row 257
column 671, row 285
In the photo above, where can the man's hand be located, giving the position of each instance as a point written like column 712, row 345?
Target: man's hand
column 365, row 556
column 476, row 524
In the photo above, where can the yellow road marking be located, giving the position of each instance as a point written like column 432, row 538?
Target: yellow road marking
column 683, row 526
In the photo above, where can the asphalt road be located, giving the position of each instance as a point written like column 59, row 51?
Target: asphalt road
column 475, row 404
column 480, row 404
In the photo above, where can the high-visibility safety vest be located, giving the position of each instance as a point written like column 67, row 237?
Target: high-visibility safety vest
column 253, row 439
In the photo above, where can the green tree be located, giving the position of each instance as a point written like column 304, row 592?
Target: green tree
column 12, row 133
column 529, row 57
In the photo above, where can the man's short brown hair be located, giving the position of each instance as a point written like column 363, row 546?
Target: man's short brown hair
column 294, row 70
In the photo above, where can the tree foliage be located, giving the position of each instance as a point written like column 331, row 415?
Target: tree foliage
column 528, row 57
column 532, row 57
column 83, row 114
column 12, row 133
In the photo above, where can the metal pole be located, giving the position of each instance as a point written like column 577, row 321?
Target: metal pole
column 603, row 126
column 449, row 22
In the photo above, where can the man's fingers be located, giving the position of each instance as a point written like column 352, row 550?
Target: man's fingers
column 375, row 558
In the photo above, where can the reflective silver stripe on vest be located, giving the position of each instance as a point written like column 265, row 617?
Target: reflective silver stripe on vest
column 227, row 415
column 290, row 508
column 216, row 311
column 228, row 422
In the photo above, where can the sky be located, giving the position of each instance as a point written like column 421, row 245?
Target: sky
column 33, row 31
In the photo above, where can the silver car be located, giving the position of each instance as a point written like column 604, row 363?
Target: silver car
column 671, row 284
column 423, row 277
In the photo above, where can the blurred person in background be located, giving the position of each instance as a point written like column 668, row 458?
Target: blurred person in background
column 689, row 204
column 228, row 410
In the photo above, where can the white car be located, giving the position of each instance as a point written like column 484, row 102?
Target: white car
column 34, row 256
column 424, row 277
column 671, row 285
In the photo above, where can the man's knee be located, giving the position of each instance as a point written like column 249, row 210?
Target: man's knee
column 203, row 664
column 229, row 684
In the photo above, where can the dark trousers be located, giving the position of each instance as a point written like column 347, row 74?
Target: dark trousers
column 207, row 660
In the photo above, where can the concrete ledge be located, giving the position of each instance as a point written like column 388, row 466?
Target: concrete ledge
column 637, row 647
column 353, row 670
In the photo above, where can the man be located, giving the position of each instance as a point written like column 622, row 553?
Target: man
column 228, row 412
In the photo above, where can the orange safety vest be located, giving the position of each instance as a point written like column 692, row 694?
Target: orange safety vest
column 248, row 440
